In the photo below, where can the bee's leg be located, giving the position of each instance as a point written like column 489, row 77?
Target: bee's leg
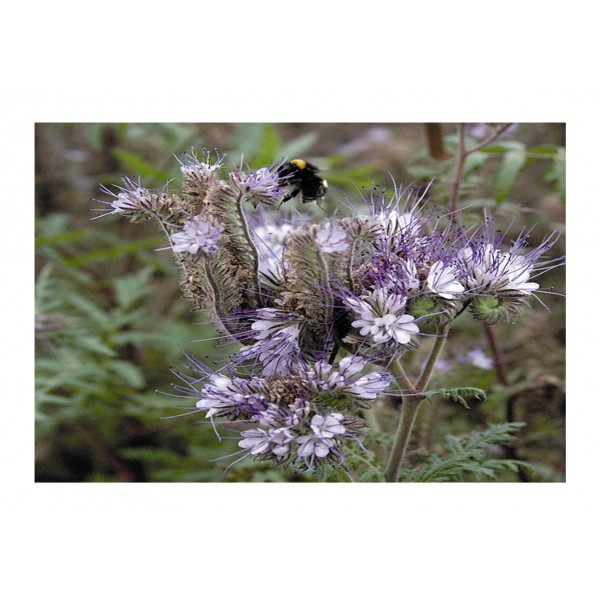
column 288, row 197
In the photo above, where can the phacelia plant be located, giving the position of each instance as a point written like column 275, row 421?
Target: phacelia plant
column 324, row 311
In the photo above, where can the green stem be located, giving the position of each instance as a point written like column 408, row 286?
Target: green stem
column 325, row 285
column 253, row 250
column 401, row 377
column 410, row 404
column 408, row 416
column 442, row 335
column 499, row 362
column 461, row 156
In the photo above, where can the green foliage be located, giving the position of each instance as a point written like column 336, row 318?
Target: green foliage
column 469, row 457
column 110, row 321
column 100, row 354
column 459, row 395
column 508, row 160
column 361, row 464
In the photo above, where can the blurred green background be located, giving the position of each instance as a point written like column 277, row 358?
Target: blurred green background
column 110, row 321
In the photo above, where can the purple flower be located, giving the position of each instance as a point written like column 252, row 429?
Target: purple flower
column 489, row 269
column 131, row 200
column 331, row 239
column 194, row 168
column 382, row 317
column 234, row 397
column 269, row 241
column 442, row 280
column 263, row 186
column 277, row 347
column 276, row 442
column 197, row 235
column 292, row 417
column 323, row 442
column 344, row 380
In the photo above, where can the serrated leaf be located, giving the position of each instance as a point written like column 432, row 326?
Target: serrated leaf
column 89, row 310
column 504, row 146
column 129, row 289
column 129, row 373
column 136, row 164
column 94, row 345
column 299, row 146
column 474, row 161
column 269, row 147
column 557, row 173
column 507, row 173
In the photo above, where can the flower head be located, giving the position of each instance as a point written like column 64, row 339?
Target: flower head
column 273, row 443
column 443, row 281
column 193, row 167
column 233, row 397
column 263, row 186
column 346, row 381
column 499, row 279
column 198, row 235
column 301, row 418
column 132, row 200
column 277, row 347
column 331, row 239
column 490, row 268
column 382, row 318
column 269, row 240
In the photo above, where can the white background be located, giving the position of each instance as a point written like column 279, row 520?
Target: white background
column 294, row 62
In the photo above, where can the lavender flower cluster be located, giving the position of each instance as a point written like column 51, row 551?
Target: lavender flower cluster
column 298, row 296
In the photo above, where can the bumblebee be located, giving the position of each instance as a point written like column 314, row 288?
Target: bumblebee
column 301, row 176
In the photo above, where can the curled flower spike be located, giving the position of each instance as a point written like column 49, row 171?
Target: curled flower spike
column 490, row 268
column 133, row 200
column 193, row 167
column 499, row 280
column 199, row 176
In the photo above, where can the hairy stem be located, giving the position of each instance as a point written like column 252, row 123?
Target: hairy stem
column 440, row 340
column 254, row 251
column 408, row 416
column 499, row 362
column 461, row 157
column 215, row 291
column 401, row 377
column 411, row 403
column 325, row 285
